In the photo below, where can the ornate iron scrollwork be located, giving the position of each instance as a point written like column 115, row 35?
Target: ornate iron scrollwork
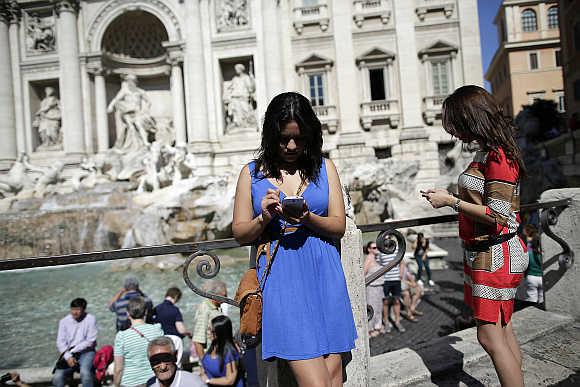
column 388, row 242
column 205, row 268
column 549, row 217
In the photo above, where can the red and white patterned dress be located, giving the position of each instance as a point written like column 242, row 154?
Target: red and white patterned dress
column 492, row 276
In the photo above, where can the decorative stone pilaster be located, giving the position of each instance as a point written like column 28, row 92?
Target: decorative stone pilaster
column 175, row 59
column 101, row 118
column 271, row 45
column 15, row 15
column 7, row 123
column 70, row 76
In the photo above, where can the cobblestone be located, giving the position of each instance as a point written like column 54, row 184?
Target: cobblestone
column 441, row 305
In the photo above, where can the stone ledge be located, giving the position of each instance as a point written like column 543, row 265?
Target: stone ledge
column 452, row 353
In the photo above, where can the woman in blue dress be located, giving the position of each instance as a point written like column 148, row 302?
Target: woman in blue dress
column 307, row 317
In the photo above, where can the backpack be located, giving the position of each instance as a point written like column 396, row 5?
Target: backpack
column 103, row 357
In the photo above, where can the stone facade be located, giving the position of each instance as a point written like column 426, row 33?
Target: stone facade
column 527, row 64
column 204, row 71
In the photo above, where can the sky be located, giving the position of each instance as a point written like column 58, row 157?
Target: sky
column 488, row 31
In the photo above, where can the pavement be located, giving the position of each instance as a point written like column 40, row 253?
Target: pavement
column 441, row 304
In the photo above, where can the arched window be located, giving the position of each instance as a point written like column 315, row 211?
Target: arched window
column 529, row 21
column 553, row 17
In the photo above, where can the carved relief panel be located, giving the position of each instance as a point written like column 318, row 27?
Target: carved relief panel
column 232, row 15
column 40, row 31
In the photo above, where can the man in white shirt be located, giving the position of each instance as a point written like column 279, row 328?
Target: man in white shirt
column 162, row 357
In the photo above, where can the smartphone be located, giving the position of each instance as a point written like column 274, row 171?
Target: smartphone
column 293, row 205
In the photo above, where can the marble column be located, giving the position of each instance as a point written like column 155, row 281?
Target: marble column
column 470, row 53
column 345, row 69
column 70, row 77
column 23, row 142
column 101, row 118
column 178, row 100
column 7, row 123
column 194, row 66
column 275, row 78
column 411, row 105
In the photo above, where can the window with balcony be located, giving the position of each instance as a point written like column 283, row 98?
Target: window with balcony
column 529, row 20
column 314, row 73
column 534, row 61
column 553, row 17
column 440, row 74
column 379, row 104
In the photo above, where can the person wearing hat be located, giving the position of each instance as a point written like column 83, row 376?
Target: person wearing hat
column 118, row 304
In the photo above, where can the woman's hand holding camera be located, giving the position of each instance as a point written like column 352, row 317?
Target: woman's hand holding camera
column 271, row 205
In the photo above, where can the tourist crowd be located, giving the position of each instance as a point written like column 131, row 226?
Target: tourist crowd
column 399, row 285
column 148, row 348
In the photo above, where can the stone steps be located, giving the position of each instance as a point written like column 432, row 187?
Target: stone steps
column 459, row 358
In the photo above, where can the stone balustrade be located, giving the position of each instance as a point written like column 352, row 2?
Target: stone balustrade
column 432, row 108
column 327, row 114
column 311, row 15
column 368, row 9
column 376, row 111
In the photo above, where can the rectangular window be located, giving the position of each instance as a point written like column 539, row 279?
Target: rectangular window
column 440, row 76
column 377, row 81
column 316, row 89
column 558, row 58
column 533, row 61
column 561, row 104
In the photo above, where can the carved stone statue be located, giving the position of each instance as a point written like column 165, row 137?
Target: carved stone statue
column 232, row 14
column 133, row 121
column 15, row 180
column 239, row 100
column 150, row 179
column 48, row 176
column 40, row 34
column 47, row 121
column 90, row 173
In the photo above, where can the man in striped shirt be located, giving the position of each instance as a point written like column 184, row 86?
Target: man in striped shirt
column 392, row 288
column 118, row 304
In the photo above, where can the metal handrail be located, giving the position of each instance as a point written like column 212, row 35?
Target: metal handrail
column 189, row 248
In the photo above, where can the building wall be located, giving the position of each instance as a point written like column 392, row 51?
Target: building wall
column 514, row 82
column 285, row 41
column 527, row 84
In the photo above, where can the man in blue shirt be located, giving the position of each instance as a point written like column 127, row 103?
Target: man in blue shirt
column 118, row 304
column 169, row 315
column 76, row 341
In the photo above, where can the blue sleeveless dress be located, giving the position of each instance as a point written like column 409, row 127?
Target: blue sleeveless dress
column 306, row 308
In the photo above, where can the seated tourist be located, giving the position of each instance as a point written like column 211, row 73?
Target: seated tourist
column 76, row 340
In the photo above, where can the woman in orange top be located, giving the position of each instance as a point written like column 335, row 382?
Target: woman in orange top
column 495, row 257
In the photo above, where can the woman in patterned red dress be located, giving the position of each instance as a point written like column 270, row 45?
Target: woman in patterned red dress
column 495, row 257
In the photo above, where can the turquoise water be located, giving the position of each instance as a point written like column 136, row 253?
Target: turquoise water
column 32, row 302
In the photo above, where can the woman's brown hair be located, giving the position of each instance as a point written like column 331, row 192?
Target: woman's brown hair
column 472, row 114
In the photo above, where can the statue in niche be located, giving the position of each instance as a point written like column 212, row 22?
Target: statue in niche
column 40, row 34
column 47, row 121
column 133, row 120
column 232, row 14
column 239, row 100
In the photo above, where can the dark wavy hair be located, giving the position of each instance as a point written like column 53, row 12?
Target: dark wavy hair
column 223, row 341
column 282, row 109
column 472, row 114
